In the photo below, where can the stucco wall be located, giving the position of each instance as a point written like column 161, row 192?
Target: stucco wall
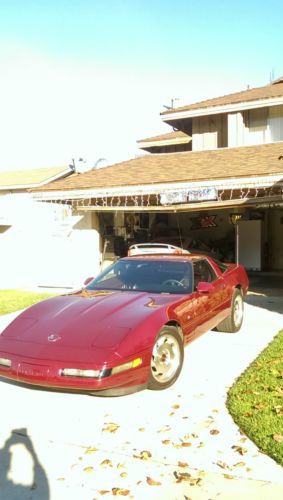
column 49, row 246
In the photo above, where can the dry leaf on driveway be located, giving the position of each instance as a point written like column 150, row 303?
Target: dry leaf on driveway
column 110, row 427
column 223, row 465
column 106, row 463
column 214, row 432
column 88, row 470
column 182, row 476
column 91, row 450
column 144, row 455
column 152, row 482
column 120, row 492
column 183, row 464
column 239, row 449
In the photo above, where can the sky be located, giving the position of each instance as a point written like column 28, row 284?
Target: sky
column 88, row 78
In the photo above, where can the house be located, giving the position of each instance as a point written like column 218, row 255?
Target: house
column 213, row 184
column 25, row 225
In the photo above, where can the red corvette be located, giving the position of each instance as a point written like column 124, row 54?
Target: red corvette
column 127, row 328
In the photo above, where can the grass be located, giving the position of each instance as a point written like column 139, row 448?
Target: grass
column 256, row 400
column 13, row 300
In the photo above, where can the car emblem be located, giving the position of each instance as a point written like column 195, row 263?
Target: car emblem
column 53, row 338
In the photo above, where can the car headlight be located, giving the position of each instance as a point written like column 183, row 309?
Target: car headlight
column 77, row 372
column 105, row 372
column 5, row 362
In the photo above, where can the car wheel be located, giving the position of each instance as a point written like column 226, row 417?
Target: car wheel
column 233, row 322
column 166, row 359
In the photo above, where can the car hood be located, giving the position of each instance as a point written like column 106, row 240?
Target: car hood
column 82, row 322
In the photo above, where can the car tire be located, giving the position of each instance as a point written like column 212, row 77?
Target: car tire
column 166, row 359
column 233, row 322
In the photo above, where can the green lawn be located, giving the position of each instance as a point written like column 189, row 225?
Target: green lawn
column 13, row 300
column 256, row 400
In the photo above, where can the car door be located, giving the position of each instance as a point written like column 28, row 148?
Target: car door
column 208, row 305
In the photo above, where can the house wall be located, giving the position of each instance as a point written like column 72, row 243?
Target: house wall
column 209, row 132
column 256, row 126
column 49, row 245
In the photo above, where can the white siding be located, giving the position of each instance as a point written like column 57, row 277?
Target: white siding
column 209, row 132
column 275, row 122
column 236, row 130
column 256, row 127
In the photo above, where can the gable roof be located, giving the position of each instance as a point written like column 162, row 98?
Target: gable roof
column 273, row 90
column 23, row 179
column 176, row 137
column 226, row 163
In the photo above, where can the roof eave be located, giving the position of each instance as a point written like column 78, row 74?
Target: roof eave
column 226, row 108
column 148, row 189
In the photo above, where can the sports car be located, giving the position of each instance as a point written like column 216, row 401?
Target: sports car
column 125, row 329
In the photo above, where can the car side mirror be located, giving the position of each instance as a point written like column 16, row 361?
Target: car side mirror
column 87, row 281
column 204, row 287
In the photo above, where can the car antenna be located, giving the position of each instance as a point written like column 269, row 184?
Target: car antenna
column 179, row 229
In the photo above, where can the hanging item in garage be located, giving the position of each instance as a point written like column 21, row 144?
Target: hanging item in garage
column 203, row 222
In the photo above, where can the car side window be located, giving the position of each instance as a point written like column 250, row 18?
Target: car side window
column 203, row 272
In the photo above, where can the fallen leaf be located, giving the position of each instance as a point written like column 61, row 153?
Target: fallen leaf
column 124, row 474
column 120, row 492
column 144, row 455
column 260, row 406
column 248, row 414
column 184, row 444
column 166, row 428
column 239, row 449
column 103, row 492
column 91, row 450
column 171, row 414
column 278, row 438
column 239, row 464
column 60, row 479
column 182, row 476
column 223, row 465
column 183, row 464
column 152, row 482
column 175, row 407
column 88, row 470
column 110, row 427
column 166, row 441
column 228, row 476
column 213, row 432
column 120, row 466
column 141, row 429
column 195, row 435
column 194, row 481
column 278, row 410
column 200, row 445
column 106, row 463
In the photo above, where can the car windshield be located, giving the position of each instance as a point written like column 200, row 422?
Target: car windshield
column 155, row 276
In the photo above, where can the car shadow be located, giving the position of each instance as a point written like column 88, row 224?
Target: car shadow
column 39, row 487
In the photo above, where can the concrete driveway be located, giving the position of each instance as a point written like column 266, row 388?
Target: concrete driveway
column 176, row 444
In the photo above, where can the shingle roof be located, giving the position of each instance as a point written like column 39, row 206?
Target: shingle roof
column 274, row 89
column 30, row 178
column 170, row 136
column 191, row 166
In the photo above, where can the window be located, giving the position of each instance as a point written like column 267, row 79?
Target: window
column 203, row 272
